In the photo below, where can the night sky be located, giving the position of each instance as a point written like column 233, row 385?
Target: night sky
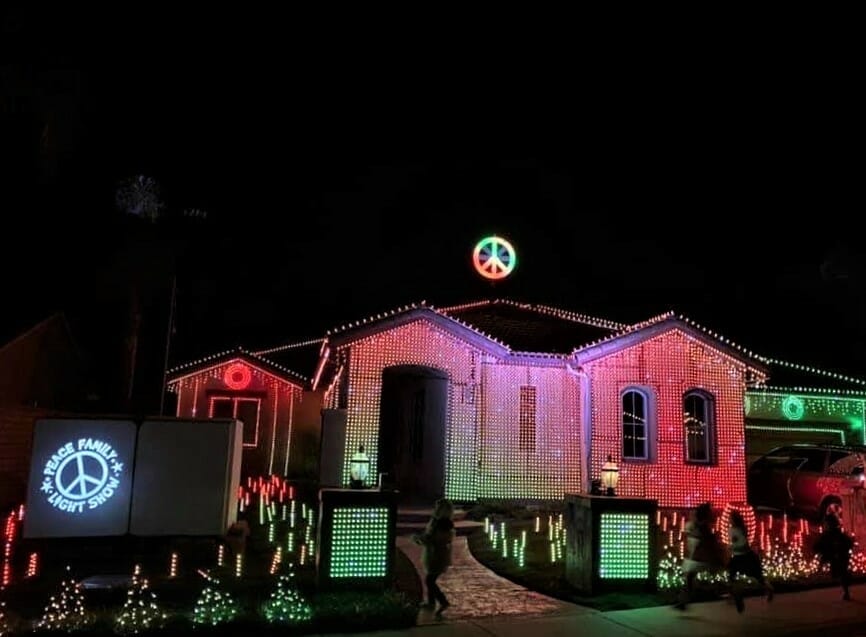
column 339, row 185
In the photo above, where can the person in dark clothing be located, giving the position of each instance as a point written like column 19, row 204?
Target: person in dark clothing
column 834, row 548
column 744, row 561
column 436, row 540
column 703, row 552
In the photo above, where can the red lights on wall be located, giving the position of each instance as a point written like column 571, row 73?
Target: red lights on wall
column 237, row 376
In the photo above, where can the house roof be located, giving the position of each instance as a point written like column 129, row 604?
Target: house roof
column 192, row 368
column 33, row 329
column 407, row 314
column 546, row 334
column 796, row 378
column 640, row 332
column 300, row 356
column 529, row 327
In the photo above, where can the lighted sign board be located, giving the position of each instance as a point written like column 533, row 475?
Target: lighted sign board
column 624, row 540
column 187, row 474
column 80, row 478
column 494, row 258
column 357, row 538
column 360, row 542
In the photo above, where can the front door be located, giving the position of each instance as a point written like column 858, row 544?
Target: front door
column 412, row 431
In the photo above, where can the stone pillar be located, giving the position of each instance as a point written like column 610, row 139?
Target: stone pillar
column 611, row 543
column 356, row 538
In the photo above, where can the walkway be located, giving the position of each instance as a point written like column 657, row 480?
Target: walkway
column 477, row 592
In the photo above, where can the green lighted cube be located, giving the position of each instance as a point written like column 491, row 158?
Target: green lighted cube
column 360, row 542
column 624, row 540
column 610, row 543
column 357, row 533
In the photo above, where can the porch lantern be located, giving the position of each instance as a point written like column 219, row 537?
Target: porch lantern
column 359, row 468
column 609, row 476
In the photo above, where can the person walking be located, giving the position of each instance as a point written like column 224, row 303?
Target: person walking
column 703, row 552
column 744, row 561
column 437, row 539
column 834, row 548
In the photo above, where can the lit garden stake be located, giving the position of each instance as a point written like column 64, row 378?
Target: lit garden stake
column 239, row 565
column 221, row 555
column 33, row 565
column 172, row 567
column 140, row 611
column 65, row 611
column 277, row 559
column 285, row 605
column 5, row 624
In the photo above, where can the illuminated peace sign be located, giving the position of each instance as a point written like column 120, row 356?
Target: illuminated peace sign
column 83, row 480
column 494, row 258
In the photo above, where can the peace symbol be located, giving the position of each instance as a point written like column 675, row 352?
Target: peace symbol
column 494, row 258
column 89, row 475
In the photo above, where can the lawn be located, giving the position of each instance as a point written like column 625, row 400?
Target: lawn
column 533, row 555
column 281, row 541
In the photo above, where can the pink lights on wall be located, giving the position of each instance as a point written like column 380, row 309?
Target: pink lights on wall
column 485, row 453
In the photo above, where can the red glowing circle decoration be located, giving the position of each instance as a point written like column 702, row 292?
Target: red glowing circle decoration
column 237, row 376
column 494, row 258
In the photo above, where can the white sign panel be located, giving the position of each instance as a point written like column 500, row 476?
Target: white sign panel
column 80, row 478
column 187, row 475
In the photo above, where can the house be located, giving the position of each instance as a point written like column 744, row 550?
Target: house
column 804, row 405
column 280, row 417
column 41, row 374
column 506, row 400
column 499, row 399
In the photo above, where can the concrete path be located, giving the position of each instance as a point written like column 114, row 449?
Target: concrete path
column 487, row 605
column 477, row 592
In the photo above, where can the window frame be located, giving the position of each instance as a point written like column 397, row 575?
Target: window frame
column 711, row 445
column 235, row 399
column 648, row 422
column 527, row 436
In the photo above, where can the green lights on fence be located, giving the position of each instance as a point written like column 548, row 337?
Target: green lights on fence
column 624, row 546
column 359, row 542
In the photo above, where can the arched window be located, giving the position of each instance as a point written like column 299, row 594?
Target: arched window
column 698, row 425
column 635, row 438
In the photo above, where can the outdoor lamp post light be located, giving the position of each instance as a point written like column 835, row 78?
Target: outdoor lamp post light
column 609, row 476
column 359, row 468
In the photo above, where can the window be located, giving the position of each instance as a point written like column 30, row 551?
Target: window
column 526, row 436
column 245, row 409
column 634, row 425
column 810, row 459
column 698, row 415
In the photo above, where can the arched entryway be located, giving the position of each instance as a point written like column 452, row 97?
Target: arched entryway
column 412, row 430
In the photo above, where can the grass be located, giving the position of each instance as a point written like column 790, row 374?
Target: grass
column 541, row 574
column 394, row 607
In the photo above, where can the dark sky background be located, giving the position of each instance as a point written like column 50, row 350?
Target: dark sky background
column 346, row 180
